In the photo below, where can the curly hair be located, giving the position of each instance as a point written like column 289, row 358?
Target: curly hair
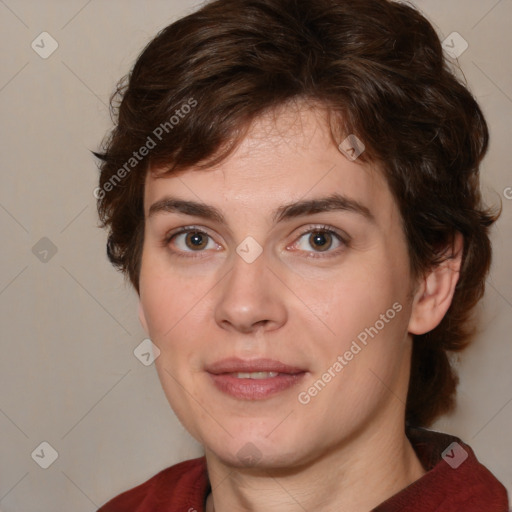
column 378, row 68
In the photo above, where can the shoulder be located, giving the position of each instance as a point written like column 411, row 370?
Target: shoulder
column 455, row 479
column 179, row 487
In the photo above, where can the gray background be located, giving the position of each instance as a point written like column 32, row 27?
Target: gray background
column 68, row 322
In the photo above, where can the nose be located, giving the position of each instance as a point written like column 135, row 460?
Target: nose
column 251, row 298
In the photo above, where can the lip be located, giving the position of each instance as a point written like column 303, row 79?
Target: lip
column 235, row 365
column 221, row 373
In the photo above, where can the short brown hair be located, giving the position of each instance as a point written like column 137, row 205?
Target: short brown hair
column 378, row 68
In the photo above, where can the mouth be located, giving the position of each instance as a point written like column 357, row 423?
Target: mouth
column 255, row 379
column 254, row 375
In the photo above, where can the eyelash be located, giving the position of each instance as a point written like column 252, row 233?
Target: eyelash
column 343, row 239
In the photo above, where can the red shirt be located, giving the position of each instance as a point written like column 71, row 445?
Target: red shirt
column 455, row 481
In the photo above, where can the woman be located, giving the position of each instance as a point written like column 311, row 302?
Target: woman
column 292, row 189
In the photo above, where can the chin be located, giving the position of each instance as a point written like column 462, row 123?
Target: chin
column 255, row 450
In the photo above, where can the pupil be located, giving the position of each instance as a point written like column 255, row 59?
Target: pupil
column 196, row 239
column 320, row 240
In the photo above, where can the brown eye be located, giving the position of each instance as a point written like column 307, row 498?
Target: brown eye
column 189, row 241
column 321, row 240
column 195, row 240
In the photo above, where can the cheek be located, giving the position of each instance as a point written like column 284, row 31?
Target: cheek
column 368, row 313
column 357, row 299
column 159, row 306
column 166, row 297
column 175, row 316
column 368, row 359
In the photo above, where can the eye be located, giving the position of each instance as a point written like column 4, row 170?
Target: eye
column 189, row 240
column 322, row 239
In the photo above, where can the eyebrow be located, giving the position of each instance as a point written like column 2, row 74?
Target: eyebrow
column 333, row 202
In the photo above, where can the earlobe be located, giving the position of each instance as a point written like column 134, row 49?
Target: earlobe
column 142, row 318
column 434, row 293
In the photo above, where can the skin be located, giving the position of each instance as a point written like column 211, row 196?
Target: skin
column 346, row 449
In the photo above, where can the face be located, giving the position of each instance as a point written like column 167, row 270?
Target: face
column 276, row 287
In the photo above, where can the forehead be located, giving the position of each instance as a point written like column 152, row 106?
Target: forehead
column 287, row 155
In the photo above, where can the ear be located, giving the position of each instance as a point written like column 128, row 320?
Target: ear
column 142, row 318
column 434, row 292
